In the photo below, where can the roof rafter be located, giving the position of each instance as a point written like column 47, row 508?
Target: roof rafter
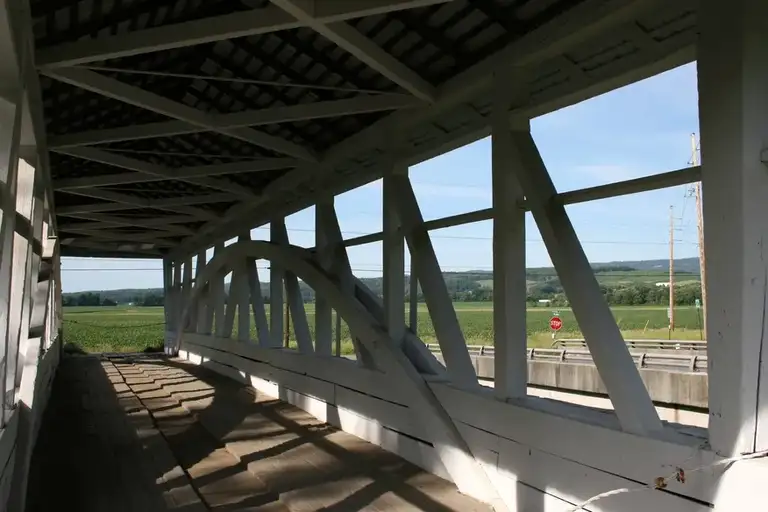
column 183, row 173
column 365, row 50
column 99, row 221
column 208, row 30
column 139, row 202
column 579, row 24
column 153, row 171
column 132, row 202
column 274, row 115
column 115, row 89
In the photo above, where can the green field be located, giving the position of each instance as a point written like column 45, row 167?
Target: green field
column 122, row 329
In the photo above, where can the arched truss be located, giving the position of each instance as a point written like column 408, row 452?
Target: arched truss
column 400, row 360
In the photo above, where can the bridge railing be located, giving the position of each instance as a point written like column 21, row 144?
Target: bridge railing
column 692, row 361
column 640, row 344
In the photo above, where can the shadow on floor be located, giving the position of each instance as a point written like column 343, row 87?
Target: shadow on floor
column 146, row 433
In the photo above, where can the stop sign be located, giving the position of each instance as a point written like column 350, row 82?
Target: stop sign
column 555, row 323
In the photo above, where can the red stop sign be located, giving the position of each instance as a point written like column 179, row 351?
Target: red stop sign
column 555, row 323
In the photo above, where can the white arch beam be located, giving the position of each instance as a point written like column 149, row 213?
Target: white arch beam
column 467, row 472
column 138, row 97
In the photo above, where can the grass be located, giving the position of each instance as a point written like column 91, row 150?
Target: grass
column 125, row 329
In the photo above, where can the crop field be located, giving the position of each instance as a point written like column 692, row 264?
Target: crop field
column 124, row 329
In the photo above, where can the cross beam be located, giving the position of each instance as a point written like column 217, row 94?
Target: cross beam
column 348, row 38
column 153, row 172
column 133, row 202
column 283, row 114
column 160, row 173
column 208, row 30
column 117, row 90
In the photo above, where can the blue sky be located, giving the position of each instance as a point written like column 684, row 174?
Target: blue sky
column 635, row 131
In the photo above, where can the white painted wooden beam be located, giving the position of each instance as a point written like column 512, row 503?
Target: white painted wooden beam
column 733, row 112
column 186, row 294
column 10, row 131
column 168, row 307
column 325, row 253
column 393, row 258
column 218, row 297
column 447, row 328
column 117, row 90
column 365, row 50
column 293, row 295
column 100, row 221
column 276, row 296
column 159, row 173
column 339, row 259
column 282, row 114
column 162, row 204
column 243, row 295
column 590, row 19
column 629, row 397
column 211, row 29
column 198, row 319
column 510, row 288
column 139, row 202
column 257, row 303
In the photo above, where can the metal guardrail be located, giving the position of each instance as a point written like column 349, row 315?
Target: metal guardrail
column 669, row 360
column 640, row 344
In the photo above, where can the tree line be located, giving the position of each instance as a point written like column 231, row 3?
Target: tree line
column 462, row 287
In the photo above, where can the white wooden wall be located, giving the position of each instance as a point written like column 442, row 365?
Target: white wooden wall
column 30, row 314
column 30, row 291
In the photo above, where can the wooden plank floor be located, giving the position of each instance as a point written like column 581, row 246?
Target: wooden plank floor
column 145, row 434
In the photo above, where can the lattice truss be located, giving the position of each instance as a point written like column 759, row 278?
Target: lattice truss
column 172, row 121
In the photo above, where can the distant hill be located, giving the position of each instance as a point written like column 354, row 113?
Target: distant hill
column 473, row 285
column 689, row 265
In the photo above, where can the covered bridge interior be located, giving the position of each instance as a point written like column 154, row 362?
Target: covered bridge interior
column 165, row 128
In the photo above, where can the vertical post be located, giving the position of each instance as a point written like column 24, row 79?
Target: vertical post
column 257, row 304
column 168, row 298
column 243, row 296
column 393, row 256
column 671, row 269
column 413, row 302
column 323, row 311
column 276, row 275
column 218, row 298
column 186, row 293
column 509, row 281
column 338, row 335
column 341, row 266
column 177, row 298
column 733, row 106
column 630, row 399
column 700, row 237
column 449, row 335
column 205, row 325
column 295, row 301
column 198, row 325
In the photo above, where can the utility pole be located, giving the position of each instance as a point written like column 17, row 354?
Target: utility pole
column 671, row 269
column 700, row 227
